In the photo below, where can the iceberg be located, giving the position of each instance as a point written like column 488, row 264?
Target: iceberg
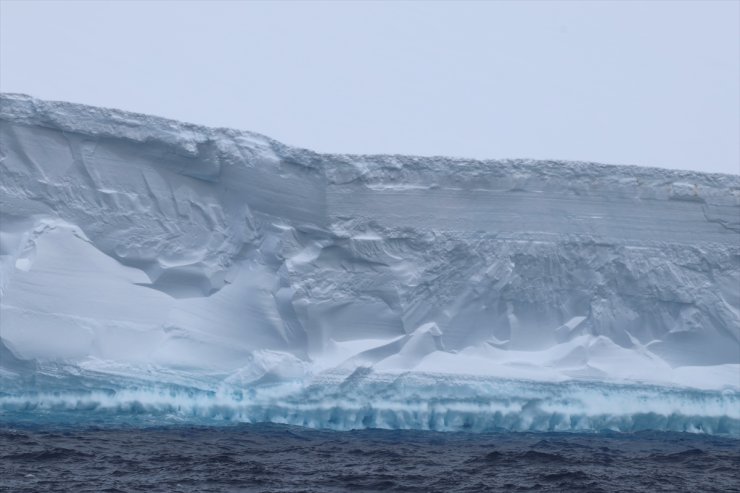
column 183, row 272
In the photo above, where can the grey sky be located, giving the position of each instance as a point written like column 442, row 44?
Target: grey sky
column 648, row 83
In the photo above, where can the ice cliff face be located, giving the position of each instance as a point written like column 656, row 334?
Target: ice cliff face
column 130, row 241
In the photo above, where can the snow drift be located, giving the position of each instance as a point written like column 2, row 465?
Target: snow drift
column 157, row 254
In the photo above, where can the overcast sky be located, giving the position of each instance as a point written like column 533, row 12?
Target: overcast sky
column 648, row 83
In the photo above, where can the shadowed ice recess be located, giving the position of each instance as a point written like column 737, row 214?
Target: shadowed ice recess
column 153, row 271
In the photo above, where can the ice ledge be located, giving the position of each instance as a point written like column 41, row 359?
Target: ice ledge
column 107, row 122
column 189, row 140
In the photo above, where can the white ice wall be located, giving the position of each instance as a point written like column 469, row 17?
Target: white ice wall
column 133, row 238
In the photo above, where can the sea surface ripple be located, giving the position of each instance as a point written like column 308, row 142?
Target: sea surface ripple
column 274, row 458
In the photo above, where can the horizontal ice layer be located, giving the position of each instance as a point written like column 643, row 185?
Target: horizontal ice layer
column 363, row 400
column 131, row 242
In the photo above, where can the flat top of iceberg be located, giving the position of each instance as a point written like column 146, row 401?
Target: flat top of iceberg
column 187, row 137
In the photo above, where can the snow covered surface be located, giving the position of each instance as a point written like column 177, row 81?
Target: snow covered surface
column 152, row 254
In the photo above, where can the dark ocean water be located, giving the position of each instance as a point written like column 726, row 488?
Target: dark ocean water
column 284, row 458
